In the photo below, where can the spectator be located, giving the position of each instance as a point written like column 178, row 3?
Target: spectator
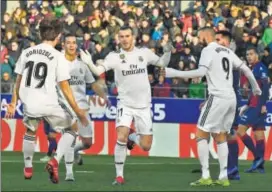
column 3, row 53
column 152, row 82
column 8, row 66
column 15, row 51
column 267, row 36
column 88, row 44
column 7, row 83
column 197, row 89
column 162, row 88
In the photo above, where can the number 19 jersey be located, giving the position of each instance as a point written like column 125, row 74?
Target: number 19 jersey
column 41, row 67
column 220, row 61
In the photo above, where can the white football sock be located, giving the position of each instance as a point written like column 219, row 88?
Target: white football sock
column 69, row 160
column 120, row 154
column 66, row 141
column 223, row 151
column 203, row 155
column 28, row 149
column 134, row 137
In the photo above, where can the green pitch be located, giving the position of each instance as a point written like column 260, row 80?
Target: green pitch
column 141, row 174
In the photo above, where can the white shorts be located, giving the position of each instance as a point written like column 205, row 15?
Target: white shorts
column 58, row 117
column 217, row 115
column 83, row 131
column 142, row 118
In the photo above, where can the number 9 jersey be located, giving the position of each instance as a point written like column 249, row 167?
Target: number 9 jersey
column 220, row 62
column 42, row 67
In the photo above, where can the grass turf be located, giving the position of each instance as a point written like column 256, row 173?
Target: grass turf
column 141, row 174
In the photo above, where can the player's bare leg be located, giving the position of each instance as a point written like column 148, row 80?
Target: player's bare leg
column 28, row 151
column 66, row 142
column 120, row 153
column 202, row 138
column 83, row 144
column 223, row 151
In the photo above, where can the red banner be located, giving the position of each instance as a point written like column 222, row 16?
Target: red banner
column 182, row 139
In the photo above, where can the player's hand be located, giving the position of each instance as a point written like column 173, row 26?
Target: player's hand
column 167, row 47
column 202, row 105
column 86, row 57
column 11, row 108
column 82, row 118
column 242, row 109
column 264, row 109
column 257, row 91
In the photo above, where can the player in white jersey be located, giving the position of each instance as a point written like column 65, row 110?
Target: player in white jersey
column 40, row 70
column 80, row 77
column 217, row 115
column 134, row 93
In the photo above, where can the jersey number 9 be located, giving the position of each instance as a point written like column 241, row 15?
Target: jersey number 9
column 38, row 71
column 226, row 66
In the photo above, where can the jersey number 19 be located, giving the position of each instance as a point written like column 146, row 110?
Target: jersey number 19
column 38, row 71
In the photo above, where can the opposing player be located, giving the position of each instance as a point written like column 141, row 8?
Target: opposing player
column 41, row 71
column 51, row 137
column 134, row 94
column 254, row 113
column 80, row 77
column 224, row 38
column 217, row 115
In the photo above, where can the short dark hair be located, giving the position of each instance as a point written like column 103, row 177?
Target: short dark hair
column 252, row 48
column 50, row 29
column 225, row 34
column 68, row 35
column 206, row 28
column 126, row 27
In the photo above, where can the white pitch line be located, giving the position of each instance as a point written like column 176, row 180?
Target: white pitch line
column 128, row 163
column 84, row 171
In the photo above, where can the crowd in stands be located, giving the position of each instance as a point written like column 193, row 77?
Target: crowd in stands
column 155, row 23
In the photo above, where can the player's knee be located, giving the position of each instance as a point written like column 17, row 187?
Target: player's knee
column 122, row 138
column 146, row 142
column 241, row 131
column 259, row 135
column 146, row 147
column 87, row 142
column 51, row 135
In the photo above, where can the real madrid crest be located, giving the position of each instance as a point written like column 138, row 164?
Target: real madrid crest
column 122, row 56
column 141, row 59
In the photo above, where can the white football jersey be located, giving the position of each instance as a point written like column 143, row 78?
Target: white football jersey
column 220, row 61
column 41, row 67
column 131, row 76
column 80, row 76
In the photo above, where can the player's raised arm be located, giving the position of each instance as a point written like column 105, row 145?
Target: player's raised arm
column 87, row 59
column 162, row 61
column 204, row 64
column 19, row 69
column 239, row 64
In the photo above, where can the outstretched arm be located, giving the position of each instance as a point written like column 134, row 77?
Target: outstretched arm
column 200, row 72
column 162, row 61
column 87, row 59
